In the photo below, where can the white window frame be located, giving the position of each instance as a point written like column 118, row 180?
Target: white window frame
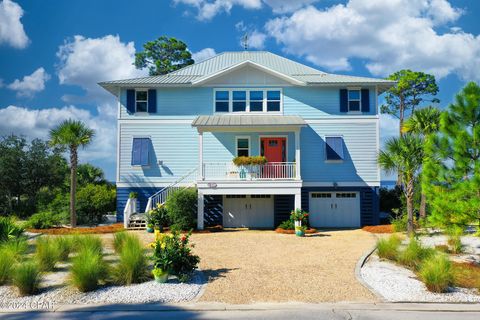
column 247, row 90
column 247, row 100
column 249, row 144
column 141, row 90
column 325, row 149
column 359, row 100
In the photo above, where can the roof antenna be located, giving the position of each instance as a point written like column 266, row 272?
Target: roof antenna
column 245, row 41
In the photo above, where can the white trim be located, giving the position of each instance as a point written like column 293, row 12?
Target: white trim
column 118, row 150
column 260, row 136
column 247, row 101
column 359, row 111
column 157, row 185
column 248, row 63
column 249, row 145
column 200, row 155
column 340, row 119
column 343, row 120
column 156, row 121
column 341, row 184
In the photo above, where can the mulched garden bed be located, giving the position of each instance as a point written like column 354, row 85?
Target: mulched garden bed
column 385, row 228
column 81, row 230
column 286, row 231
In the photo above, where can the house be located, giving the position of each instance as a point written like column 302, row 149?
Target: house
column 318, row 131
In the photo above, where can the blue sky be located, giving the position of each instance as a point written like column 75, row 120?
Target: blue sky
column 52, row 53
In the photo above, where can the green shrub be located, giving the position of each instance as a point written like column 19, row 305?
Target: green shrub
column 119, row 240
column 287, row 225
column 436, row 273
column 7, row 260
column 9, row 229
column 158, row 217
column 17, row 247
column 87, row 242
column 94, row 202
column 88, row 269
column 26, row 278
column 388, row 248
column 64, row 245
column 181, row 208
column 414, row 254
column 44, row 220
column 46, row 253
column 133, row 265
column 133, row 195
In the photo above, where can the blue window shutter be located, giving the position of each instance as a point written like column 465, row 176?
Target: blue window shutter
column 145, row 152
column 131, row 100
column 365, row 100
column 136, row 151
column 334, row 148
column 152, row 101
column 343, row 100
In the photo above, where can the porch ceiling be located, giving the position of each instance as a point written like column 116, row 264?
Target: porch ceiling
column 247, row 121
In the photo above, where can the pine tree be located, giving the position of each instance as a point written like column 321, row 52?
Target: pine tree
column 452, row 165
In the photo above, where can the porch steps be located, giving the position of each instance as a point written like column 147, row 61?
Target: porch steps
column 137, row 222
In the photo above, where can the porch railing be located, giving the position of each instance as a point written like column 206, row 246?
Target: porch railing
column 268, row 171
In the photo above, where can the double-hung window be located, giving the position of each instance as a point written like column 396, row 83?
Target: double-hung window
column 243, row 146
column 256, row 101
column 222, row 101
column 354, row 100
column 141, row 100
column 273, row 100
column 334, row 148
column 239, row 101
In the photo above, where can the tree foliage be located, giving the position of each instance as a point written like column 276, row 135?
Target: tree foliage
column 412, row 89
column 163, row 55
column 452, row 166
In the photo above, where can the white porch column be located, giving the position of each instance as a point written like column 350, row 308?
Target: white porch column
column 298, row 200
column 297, row 154
column 200, row 210
column 200, row 155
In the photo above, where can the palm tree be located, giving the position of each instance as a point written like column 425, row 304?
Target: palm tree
column 405, row 155
column 423, row 122
column 71, row 134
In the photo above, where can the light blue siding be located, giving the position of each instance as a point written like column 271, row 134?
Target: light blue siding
column 317, row 102
column 360, row 153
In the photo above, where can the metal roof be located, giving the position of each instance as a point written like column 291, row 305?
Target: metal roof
column 247, row 121
column 223, row 62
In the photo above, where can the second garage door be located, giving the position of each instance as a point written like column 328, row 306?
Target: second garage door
column 249, row 211
column 335, row 209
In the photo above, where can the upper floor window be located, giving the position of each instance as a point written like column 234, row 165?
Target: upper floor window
column 334, row 148
column 248, row 100
column 141, row 100
column 243, row 146
column 354, row 100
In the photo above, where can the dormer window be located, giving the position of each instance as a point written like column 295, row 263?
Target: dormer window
column 354, row 101
column 248, row 100
column 141, row 101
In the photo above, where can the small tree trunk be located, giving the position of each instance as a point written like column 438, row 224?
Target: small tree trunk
column 401, row 116
column 423, row 206
column 409, row 195
column 73, row 184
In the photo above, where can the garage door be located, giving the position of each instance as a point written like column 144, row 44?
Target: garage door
column 335, row 209
column 248, row 211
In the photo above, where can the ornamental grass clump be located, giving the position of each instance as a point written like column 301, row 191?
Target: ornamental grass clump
column 87, row 242
column 414, row 254
column 388, row 248
column 64, row 246
column 436, row 273
column 88, row 269
column 133, row 264
column 17, row 247
column 46, row 253
column 7, row 260
column 26, row 277
column 119, row 240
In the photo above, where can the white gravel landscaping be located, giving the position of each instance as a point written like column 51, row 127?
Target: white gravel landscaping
column 398, row 284
column 150, row 291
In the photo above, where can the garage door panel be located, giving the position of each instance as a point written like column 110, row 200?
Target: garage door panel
column 254, row 211
column 335, row 209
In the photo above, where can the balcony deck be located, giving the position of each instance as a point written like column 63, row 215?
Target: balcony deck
column 227, row 171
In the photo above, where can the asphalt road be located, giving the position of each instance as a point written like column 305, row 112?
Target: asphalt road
column 273, row 311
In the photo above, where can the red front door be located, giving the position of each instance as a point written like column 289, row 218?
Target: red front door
column 274, row 149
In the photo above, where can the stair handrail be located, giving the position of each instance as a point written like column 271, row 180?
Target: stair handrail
column 162, row 195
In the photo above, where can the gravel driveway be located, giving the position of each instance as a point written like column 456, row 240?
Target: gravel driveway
column 263, row 266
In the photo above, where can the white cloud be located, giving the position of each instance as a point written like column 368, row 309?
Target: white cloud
column 387, row 35
column 30, row 84
column 256, row 40
column 285, row 6
column 203, row 54
column 11, row 29
column 207, row 9
column 86, row 61
column 37, row 123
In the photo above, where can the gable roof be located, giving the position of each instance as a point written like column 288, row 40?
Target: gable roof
column 289, row 70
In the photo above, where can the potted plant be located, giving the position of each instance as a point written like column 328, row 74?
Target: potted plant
column 248, row 165
column 160, row 275
column 158, row 217
column 301, row 221
column 150, row 228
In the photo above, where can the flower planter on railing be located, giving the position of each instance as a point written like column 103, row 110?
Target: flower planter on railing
column 244, row 172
